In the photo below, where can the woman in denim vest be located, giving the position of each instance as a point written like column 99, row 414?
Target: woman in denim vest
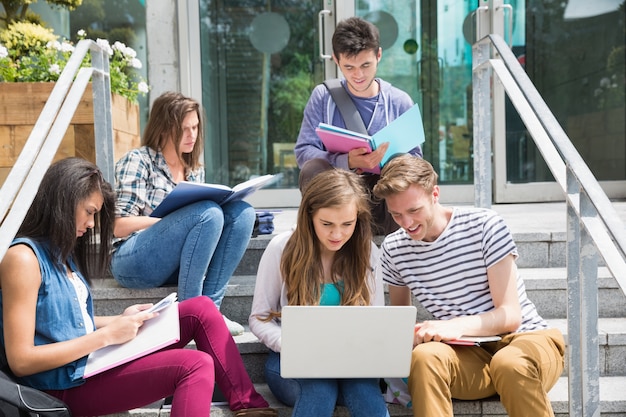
column 48, row 326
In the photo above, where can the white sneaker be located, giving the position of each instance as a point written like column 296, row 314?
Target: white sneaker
column 234, row 328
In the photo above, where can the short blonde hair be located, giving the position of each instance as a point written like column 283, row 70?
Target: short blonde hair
column 403, row 171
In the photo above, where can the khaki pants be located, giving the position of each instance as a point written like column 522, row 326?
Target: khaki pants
column 521, row 368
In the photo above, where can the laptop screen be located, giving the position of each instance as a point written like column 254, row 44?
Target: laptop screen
column 346, row 341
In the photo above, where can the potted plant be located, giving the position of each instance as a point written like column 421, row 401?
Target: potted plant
column 31, row 59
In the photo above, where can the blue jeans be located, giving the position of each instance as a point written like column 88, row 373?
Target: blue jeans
column 198, row 246
column 318, row 397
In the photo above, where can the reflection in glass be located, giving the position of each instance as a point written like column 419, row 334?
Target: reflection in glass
column 574, row 54
column 258, row 73
column 256, row 82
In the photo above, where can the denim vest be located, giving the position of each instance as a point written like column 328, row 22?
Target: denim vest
column 58, row 318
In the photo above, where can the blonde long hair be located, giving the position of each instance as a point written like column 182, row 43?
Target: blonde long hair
column 301, row 265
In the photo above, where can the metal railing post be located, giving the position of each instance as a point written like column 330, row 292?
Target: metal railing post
column 594, row 230
column 481, row 102
column 103, row 125
column 582, row 306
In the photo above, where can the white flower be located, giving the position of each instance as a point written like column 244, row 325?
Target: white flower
column 135, row 63
column 126, row 51
column 81, row 33
column 54, row 45
column 4, row 52
column 119, row 46
column 130, row 52
column 104, row 44
column 67, row 47
column 54, row 69
column 143, row 87
column 605, row 82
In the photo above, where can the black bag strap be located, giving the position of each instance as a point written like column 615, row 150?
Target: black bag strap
column 346, row 106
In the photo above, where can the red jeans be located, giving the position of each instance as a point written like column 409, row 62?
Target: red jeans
column 189, row 375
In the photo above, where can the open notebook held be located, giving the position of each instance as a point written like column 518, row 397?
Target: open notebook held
column 156, row 333
column 403, row 134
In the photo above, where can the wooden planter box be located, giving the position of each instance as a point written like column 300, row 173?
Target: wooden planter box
column 21, row 104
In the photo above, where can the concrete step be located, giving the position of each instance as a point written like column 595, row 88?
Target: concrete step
column 536, row 250
column 546, row 287
column 611, row 345
column 612, row 404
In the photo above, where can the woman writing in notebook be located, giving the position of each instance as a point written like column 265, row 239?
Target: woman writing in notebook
column 48, row 327
column 328, row 259
column 197, row 246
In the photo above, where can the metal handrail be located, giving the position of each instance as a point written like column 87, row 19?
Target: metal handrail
column 594, row 229
column 22, row 183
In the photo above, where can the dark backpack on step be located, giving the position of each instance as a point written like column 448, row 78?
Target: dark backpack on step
column 18, row 400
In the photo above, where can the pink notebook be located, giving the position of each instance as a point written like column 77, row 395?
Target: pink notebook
column 403, row 134
column 343, row 141
column 155, row 334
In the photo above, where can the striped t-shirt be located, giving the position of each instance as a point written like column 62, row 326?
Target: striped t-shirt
column 449, row 276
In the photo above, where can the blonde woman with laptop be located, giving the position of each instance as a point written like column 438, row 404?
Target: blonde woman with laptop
column 328, row 259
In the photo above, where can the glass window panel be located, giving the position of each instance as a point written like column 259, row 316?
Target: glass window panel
column 260, row 64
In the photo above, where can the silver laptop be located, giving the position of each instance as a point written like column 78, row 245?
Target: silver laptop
column 346, row 341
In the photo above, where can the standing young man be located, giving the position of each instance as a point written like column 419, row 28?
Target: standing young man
column 460, row 265
column 357, row 52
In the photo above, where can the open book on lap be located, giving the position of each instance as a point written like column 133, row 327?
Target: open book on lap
column 156, row 333
column 473, row 340
column 187, row 192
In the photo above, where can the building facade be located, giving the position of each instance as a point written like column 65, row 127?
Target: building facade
column 253, row 63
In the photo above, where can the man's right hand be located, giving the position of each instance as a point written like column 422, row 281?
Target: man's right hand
column 361, row 159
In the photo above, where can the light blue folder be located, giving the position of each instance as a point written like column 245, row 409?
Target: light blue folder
column 403, row 134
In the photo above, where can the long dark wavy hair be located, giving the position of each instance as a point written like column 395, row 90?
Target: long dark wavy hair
column 52, row 216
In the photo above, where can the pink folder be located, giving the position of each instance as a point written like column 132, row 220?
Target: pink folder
column 404, row 134
column 343, row 141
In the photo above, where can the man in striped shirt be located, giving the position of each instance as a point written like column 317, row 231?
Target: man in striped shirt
column 459, row 263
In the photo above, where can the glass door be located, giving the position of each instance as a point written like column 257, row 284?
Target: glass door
column 427, row 53
column 260, row 61
column 574, row 54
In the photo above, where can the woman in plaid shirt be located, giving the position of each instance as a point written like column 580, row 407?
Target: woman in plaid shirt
column 197, row 246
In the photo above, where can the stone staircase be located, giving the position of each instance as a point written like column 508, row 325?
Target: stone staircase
column 542, row 264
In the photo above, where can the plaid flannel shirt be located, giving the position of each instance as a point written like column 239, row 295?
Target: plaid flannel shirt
column 143, row 180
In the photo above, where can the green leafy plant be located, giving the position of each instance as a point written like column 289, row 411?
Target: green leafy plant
column 31, row 53
column 18, row 10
